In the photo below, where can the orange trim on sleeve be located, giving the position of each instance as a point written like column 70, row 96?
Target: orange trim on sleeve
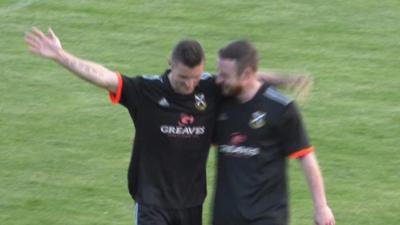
column 116, row 97
column 301, row 153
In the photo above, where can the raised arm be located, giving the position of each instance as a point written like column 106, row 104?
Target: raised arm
column 49, row 47
column 322, row 213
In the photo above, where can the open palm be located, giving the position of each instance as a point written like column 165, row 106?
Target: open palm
column 46, row 46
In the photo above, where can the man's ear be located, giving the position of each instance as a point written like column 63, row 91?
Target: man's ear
column 170, row 63
column 247, row 73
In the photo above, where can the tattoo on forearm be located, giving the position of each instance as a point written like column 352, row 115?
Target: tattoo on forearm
column 85, row 70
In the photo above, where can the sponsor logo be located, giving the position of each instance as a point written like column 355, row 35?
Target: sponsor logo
column 186, row 120
column 257, row 119
column 239, row 151
column 237, row 138
column 184, row 129
column 234, row 149
column 200, row 102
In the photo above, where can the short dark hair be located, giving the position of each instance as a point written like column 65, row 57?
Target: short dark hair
column 189, row 52
column 243, row 52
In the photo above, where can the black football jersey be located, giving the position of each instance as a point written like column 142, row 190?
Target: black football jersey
column 172, row 139
column 254, row 140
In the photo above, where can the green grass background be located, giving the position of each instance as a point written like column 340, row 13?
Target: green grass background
column 64, row 149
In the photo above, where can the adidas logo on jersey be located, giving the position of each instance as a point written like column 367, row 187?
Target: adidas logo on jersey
column 163, row 102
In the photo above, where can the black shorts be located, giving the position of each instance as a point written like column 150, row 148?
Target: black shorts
column 259, row 222
column 153, row 215
column 239, row 220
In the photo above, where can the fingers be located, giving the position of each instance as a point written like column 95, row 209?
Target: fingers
column 324, row 217
column 35, row 40
column 54, row 37
column 31, row 36
column 303, row 82
column 332, row 221
column 34, row 50
column 325, row 221
column 328, row 222
column 303, row 91
column 34, row 37
column 38, row 33
column 31, row 43
column 32, row 40
column 301, row 87
column 51, row 33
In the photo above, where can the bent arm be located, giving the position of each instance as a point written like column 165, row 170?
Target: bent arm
column 323, row 214
column 49, row 47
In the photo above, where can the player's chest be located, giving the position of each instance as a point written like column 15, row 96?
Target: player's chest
column 169, row 114
column 254, row 121
column 247, row 134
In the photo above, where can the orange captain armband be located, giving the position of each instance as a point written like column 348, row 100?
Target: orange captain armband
column 116, row 97
column 301, row 153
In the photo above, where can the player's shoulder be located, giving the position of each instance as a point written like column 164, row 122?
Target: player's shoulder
column 273, row 95
column 207, row 79
column 144, row 82
column 151, row 78
column 206, row 76
column 150, row 81
column 144, row 78
column 277, row 104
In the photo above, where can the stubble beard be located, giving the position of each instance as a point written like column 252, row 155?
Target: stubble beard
column 232, row 92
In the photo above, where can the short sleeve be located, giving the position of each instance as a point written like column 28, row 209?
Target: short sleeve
column 294, row 136
column 128, row 92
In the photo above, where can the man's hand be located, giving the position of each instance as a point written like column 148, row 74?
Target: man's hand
column 322, row 213
column 300, row 86
column 47, row 46
column 324, row 216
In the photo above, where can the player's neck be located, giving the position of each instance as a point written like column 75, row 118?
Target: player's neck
column 249, row 90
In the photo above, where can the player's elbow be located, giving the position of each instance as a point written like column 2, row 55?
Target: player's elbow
column 109, row 81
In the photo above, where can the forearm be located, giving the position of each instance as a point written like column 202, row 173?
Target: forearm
column 89, row 71
column 314, row 180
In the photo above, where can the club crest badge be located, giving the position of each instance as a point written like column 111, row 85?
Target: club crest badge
column 257, row 119
column 200, row 102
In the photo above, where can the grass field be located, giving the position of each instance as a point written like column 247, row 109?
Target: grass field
column 64, row 149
